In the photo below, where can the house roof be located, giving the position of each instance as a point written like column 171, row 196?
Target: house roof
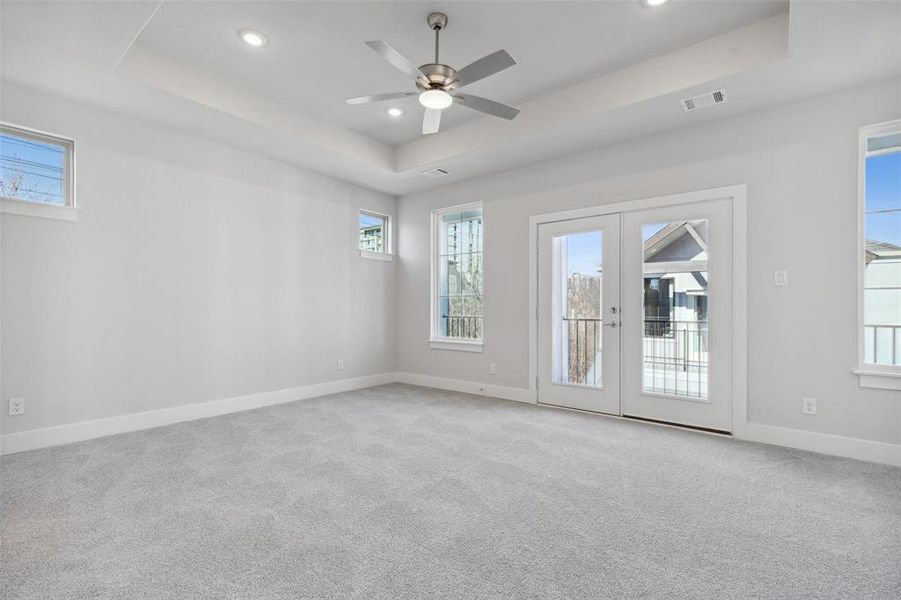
column 667, row 236
column 877, row 249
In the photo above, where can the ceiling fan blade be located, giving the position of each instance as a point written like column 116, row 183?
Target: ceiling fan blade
column 496, row 109
column 378, row 97
column 397, row 59
column 485, row 66
column 431, row 120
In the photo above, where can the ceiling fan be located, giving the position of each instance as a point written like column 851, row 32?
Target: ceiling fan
column 438, row 84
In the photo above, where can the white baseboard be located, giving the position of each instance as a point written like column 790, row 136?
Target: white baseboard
column 86, row 430
column 878, row 452
column 824, row 443
column 836, row 445
column 468, row 387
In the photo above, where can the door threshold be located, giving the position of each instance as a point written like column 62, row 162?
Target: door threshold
column 679, row 425
column 587, row 411
column 705, row 430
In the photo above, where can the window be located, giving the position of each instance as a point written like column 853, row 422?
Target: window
column 35, row 168
column 374, row 236
column 880, row 201
column 457, row 312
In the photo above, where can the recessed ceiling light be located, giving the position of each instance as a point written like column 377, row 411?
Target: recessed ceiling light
column 253, row 38
column 653, row 3
column 395, row 112
column 438, row 99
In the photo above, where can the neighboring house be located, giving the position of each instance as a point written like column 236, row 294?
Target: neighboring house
column 371, row 238
column 882, row 303
column 675, row 276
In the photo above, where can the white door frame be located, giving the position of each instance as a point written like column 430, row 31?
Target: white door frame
column 739, row 197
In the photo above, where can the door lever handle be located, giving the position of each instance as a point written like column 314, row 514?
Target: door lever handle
column 610, row 324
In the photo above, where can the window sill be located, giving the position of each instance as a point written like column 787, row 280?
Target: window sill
column 462, row 346
column 376, row 255
column 881, row 380
column 9, row 206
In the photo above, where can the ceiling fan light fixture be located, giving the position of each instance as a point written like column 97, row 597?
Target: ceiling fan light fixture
column 437, row 99
column 434, row 80
column 653, row 3
column 253, row 38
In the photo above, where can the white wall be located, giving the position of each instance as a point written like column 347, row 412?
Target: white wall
column 195, row 272
column 800, row 164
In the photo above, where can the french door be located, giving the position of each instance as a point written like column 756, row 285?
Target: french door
column 635, row 314
column 578, row 314
column 677, row 296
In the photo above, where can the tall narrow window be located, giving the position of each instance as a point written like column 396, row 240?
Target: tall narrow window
column 881, row 260
column 457, row 313
column 35, row 167
column 374, row 232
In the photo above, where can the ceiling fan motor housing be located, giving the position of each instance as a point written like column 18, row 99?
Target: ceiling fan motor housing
column 437, row 20
column 440, row 77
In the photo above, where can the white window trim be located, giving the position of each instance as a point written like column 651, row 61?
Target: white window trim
column 369, row 255
column 387, row 253
column 11, row 206
column 884, row 377
column 452, row 344
column 45, row 210
column 437, row 342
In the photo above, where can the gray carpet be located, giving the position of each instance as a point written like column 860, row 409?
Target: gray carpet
column 404, row 492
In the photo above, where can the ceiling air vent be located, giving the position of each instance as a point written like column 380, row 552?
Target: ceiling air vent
column 704, row 100
column 435, row 173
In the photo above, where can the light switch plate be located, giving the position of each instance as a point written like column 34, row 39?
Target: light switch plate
column 780, row 278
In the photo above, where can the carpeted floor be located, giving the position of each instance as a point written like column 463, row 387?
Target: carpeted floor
column 405, row 492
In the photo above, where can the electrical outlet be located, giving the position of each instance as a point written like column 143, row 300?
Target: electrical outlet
column 809, row 406
column 340, row 364
column 780, row 278
column 16, row 406
column 492, row 369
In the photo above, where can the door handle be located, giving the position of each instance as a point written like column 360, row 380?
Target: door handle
column 610, row 324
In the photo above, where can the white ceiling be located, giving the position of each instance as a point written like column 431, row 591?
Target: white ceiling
column 316, row 56
column 589, row 73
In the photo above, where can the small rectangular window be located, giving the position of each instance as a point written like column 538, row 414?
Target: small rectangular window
column 36, row 167
column 373, row 232
column 457, row 263
column 881, row 260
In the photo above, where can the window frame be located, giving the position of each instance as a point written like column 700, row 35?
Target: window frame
column 437, row 341
column 387, row 250
column 68, row 211
column 869, row 375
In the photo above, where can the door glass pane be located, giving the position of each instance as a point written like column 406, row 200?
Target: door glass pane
column 674, row 310
column 578, row 308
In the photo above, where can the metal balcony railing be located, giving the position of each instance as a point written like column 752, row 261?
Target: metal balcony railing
column 882, row 344
column 675, row 355
column 466, row 327
column 582, row 357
